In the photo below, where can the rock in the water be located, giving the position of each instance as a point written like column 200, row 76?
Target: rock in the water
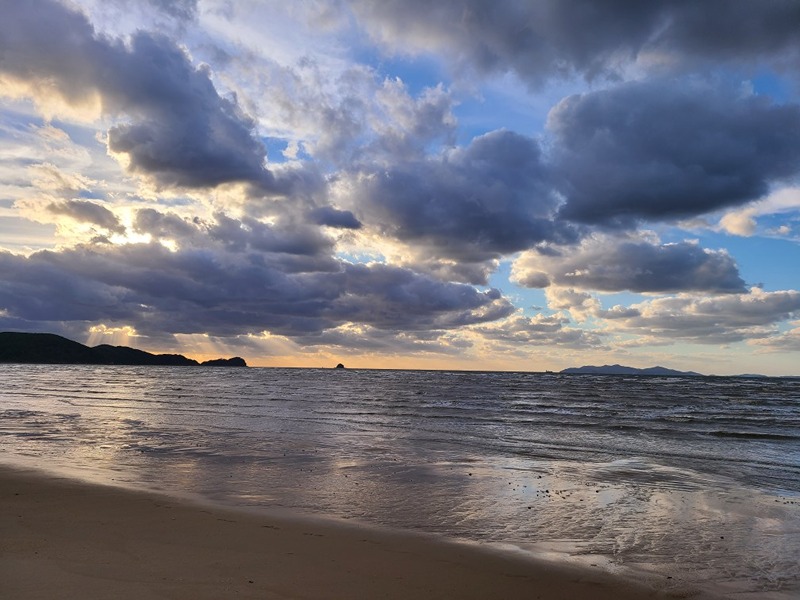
column 340, row 366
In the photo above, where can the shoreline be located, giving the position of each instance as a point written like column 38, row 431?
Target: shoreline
column 65, row 538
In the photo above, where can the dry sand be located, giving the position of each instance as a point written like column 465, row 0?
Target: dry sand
column 65, row 539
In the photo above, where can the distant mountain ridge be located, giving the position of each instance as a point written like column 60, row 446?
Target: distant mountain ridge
column 49, row 348
column 622, row 370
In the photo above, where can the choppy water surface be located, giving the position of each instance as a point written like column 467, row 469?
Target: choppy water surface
column 693, row 479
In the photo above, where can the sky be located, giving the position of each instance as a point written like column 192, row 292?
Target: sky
column 513, row 185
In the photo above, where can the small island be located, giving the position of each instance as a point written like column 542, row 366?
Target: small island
column 623, row 370
column 340, row 366
column 51, row 349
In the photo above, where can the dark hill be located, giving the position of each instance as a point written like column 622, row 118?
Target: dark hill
column 48, row 348
column 236, row 361
column 45, row 348
column 122, row 355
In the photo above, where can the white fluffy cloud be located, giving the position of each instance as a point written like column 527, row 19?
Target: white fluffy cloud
column 541, row 330
column 744, row 221
column 709, row 320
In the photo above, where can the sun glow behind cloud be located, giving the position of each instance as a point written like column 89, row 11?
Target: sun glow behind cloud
column 114, row 336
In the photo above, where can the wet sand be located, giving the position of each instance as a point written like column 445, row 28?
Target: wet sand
column 60, row 538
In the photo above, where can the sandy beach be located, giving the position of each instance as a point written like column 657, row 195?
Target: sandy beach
column 62, row 538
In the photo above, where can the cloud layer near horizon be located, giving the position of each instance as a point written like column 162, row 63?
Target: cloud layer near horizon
column 317, row 197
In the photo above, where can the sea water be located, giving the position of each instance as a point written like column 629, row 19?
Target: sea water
column 694, row 481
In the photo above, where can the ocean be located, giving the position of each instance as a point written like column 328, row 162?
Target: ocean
column 694, row 480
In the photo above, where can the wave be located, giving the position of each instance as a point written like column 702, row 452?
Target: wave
column 753, row 435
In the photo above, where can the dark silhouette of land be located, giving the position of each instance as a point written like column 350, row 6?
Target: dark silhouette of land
column 621, row 370
column 51, row 349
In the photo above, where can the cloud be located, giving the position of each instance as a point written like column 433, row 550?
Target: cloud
column 787, row 341
column 743, row 222
column 184, row 10
column 398, row 299
column 714, row 320
column 332, row 217
column 164, row 225
column 546, row 38
column 614, row 264
column 156, row 15
column 184, row 133
column 580, row 305
column 740, row 222
column 540, row 330
column 356, row 339
column 177, row 129
column 406, row 125
column 421, row 261
column 231, row 291
column 470, row 204
column 53, row 181
column 25, row 235
column 85, row 211
column 341, row 114
column 661, row 150
column 285, row 246
column 248, row 234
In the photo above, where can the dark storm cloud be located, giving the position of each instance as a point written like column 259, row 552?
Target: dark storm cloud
column 473, row 204
column 85, row 211
column 286, row 238
column 611, row 265
column 451, row 270
column 668, row 149
column 332, row 217
column 288, row 246
column 163, row 226
column 540, row 39
column 39, row 289
column 183, row 132
column 398, row 299
column 199, row 290
column 178, row 129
